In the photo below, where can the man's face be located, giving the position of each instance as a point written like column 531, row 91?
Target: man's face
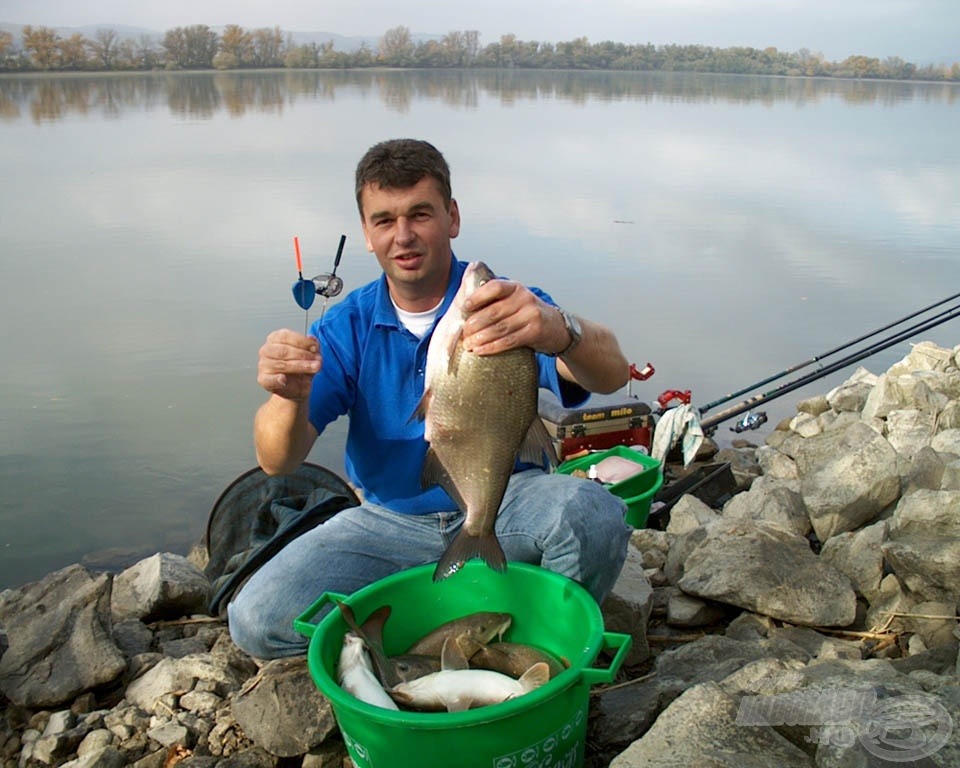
column 410, row 230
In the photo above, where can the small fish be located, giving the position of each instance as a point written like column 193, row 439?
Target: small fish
column 455, row 689
column 482, row 625
column 480, row 415
column 508, row 658
column 355, row 674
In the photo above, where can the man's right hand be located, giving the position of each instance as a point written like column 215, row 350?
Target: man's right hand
column 288, row 362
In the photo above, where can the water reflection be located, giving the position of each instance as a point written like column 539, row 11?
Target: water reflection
column 202, row 95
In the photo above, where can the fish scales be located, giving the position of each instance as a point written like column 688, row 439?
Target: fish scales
column 480, row 415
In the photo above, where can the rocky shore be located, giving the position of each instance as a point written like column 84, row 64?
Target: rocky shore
column 811, row 621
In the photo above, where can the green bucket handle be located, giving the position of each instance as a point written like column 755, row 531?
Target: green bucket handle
column 302, row 623
column 616, row 640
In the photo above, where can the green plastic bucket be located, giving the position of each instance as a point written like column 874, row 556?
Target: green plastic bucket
column 637, row 492
column 544, row 727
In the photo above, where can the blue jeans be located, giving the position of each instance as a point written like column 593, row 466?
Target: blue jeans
column 571, row 526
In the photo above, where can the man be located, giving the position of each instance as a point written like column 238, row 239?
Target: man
column 367, row 359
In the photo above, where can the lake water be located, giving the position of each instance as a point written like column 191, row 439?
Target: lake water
column 725, row 227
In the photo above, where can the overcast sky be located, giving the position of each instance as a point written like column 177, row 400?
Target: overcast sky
column 920, row 31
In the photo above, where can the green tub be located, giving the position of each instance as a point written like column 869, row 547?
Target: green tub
column 546, row 727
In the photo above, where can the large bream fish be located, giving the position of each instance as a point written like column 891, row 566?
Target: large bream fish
column 480, row 414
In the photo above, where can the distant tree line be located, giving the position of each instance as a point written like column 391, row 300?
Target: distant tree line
column 199, row 47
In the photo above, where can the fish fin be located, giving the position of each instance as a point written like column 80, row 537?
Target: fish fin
column 420, row 412
column 454, row 350
column 537, row 447
column 401, row 697
column 434, row 473
column 466, row 547
column 372, row 635
column 537, row 675
column 459, row 704
column 348, row 616
column 452, row 656
column 468, row 645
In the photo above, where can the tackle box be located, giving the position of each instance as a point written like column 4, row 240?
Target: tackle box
column 604, row 421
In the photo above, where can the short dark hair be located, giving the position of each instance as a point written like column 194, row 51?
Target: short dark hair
column 402, row 163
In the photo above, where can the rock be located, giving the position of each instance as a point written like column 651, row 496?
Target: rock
column 59, row 634
column 925, row 356
column 627, row 608
column 282, row 710
column 852, row 395
column 621, row 715
column 910, row 430
column 777, row 465
column 773, row 502
column 858, row 555
column 689, row 513
column 814, row 406
column 950, row 416
column 164, row 585
column 923, row 544
column 926, row 469
column 933, row 622
column 686, row 611
column 762, row 568
column 849, row 477
column 700, row 729
column 947, row 441
column 714, row 657
column 895, row 392
column 180, row 676
column 743, row 464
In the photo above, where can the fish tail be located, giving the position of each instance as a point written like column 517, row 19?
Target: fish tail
column 537, row 675
column 466, row 547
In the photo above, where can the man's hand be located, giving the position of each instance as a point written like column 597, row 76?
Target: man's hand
column 287, row 364
column 505, row 315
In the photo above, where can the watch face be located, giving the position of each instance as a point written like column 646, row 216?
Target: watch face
column 573, row 328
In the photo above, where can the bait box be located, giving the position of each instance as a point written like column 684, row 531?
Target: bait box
column 604, row 421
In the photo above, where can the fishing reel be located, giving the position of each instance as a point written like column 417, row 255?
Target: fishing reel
column 750, row 421
column 326, row 284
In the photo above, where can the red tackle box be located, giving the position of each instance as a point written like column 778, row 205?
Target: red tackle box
column 604, row 421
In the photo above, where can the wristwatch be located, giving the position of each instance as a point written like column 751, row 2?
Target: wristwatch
column 573, row 328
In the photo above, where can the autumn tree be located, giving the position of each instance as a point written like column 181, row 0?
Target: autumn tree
column 190, row 47
column 104, row 48
column 146, row 53
column 396, row 47
column 42, row 45
column 6, row 44
column 73, row 52
column 236, row 48
column 267, row 47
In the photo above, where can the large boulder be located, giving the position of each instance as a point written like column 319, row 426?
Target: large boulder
column 850, row 476
column 923, row 544
column 59, row 635
column 700, row 729
column 765, row 569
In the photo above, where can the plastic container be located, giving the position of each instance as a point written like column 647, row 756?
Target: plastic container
column 546, row 726
column 636, row 491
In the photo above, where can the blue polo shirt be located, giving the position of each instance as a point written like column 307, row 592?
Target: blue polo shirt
column 373, row 371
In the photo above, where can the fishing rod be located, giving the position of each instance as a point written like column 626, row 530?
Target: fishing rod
column 823, row 355
column 710, row 423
